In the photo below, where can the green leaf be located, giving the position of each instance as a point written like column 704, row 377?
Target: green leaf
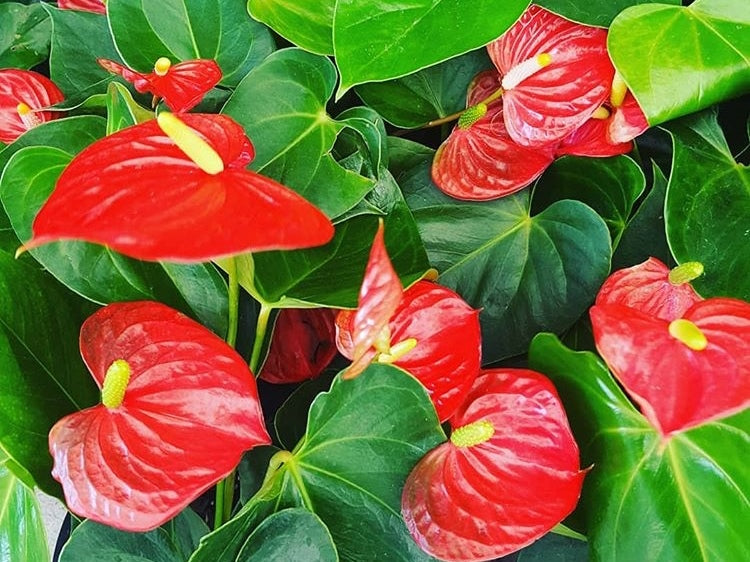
column 78, row 39
column 122, row 110
column 526, row 273
column 707, row 207
column 363, row 438
column 173, row 542
column 684, row 498
column 307, row 24
column 594, row 12
column 22, row 534
column 432, row 93
column 24, row 35
column 610, row 186
column 290, row 534
column 290, row 420
column 189, row 29
column 555, row 548
column 377, row 45
column 292, row 134
column 94, row 271
column 678, row 60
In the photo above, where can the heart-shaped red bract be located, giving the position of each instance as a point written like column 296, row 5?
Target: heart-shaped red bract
column 557, row 99
column 303, row 344
column 646, row 287
column 482, row 161
column 679, row 387
column 25, row 87
column 96, row 6
column 182, row 86
column 487, row 498
column 189, row 411
column 137, row 192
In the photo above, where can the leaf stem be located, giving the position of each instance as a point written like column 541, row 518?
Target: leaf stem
column 453, row 116
column 261, row 327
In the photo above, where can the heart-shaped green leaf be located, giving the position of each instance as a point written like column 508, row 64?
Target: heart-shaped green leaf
column 24, row 35
column 307, row 24
column 22, row 535
column 293, row 139
column 644, row 494
column 376, row 45
column 526, row 273
column 677, row 60
column 707, row 188
column 96, row 272
column 188, row 29
column 594, row 12
column 363, row 437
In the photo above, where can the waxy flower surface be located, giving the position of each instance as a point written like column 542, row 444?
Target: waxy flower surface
column 179, row 407
column 96, row 6
column 509, row 473
column 22, row 94
column 178, row 191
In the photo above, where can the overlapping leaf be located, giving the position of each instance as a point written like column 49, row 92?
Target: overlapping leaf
column 24, row 35
column 22, row 535
column 307, row 24
column 594, row 12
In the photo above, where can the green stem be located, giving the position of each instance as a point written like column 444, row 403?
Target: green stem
column 452, row 117
column 261, row 327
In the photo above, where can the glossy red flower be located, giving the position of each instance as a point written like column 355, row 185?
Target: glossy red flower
column 22, row 94
column 182, row 86
column 682, row 372
column 431, row 332
column 479, row 160
column 96, row 6
column 179, row 407
column 653, row 289
column 303, row 344
column 509, row 473
column 178, row 192
column 556, row 74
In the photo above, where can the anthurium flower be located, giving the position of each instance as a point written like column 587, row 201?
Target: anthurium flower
column 652, row 288
column 176, row 190
column 179, row 407
column 182, row 86
column 22, row 94
column 683, row 372
column 430, row 332
column 509, row 473
column 479, row 160
column 302, row 345
column 96, row 6
column 556, row 74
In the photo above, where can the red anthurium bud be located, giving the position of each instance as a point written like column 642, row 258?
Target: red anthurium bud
column 179, row 407
column 481, row 161
column 182, row 86
column 96, row 6
column 303, row 344
column 177, row 191
column 509, row 473
column 653, row 289
column 22, row 94
column 682, row 372
column 556, row 74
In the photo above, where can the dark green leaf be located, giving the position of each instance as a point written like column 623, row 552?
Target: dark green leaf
column 555, row 548
column 390, row 42
column 293, row 138
column 252, row 470
column 307, row 24
column 24, row 35
column 678, row 60
column 526, row 273
column 122, row 110
column 369, row 136
column 432, row 93
column 22, row 535
column 707, row 207
column 594, row 12
column 290, row 420
column 684, row 498
column 290, row 534
column 189, row 29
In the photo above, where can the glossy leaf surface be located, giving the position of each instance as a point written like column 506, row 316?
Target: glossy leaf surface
column 180, row 30
column 677, row 384
column 190, row 409
column 484, row 500
column 392, row 31
column 25, row 87
column 594, row 12
column 537, row 272
column 643, row 495
column 707, row 183
column 22, row 535
column 293, row 140
column 306, row 24
column 122, row 109
column 113, row 193
column 363, row 437
column 24, row 35
column 648, row 46
column 554, row 101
